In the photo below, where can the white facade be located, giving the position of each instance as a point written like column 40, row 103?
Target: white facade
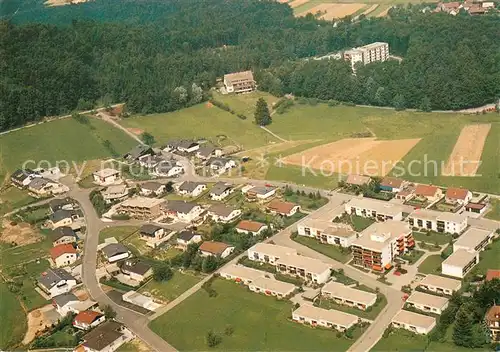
column 326, row 232
column 191, row 215
column 84, row 326
column 474, row 239
column 241, row 273
column 225, row 218
column 432, row 220
column 106, row 177
column 225, row 253
column 439, row 284
column 414, row 322
column 195, row 192
column 459, row 263
column 271, row 287
column 65, row 259
column 372, row 208
column 328, row 318
column 348, row 296
column 221, row 196
column 268, row 253
column 427, row 303
column 309, row 269
column 63, row 286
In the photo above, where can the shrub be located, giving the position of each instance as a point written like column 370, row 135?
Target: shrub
column 213, row 339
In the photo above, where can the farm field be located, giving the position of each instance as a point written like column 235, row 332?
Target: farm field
column 13, row 318
column 61, row 140
column 494, row 212
column 173, row 288
column 12, row 198
column 202, row 121
column 259, row 323
column 330, row 11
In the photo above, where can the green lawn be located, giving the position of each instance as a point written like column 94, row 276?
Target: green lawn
column 371, row 313
column 431, row 265
column 201, row 121
column 489, row 258
column 413, row 256
column 329, row 250
column 118, row 232
column 13, row 318
column 17, row 255
column 62, row 140
column 13, row 198
column 173, row 288
column 245, row 103
column 401, row 340
column 305, row 202
column 432, row 237
column 260, row 323
column 360, row 223
column 494, row 212
column 294, row 174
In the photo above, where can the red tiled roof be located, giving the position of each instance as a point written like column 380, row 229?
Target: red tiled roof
column 358, row 180
column 250, row 226
column 492, row 274
column 61, row 249
column 478, row 206
column 451, row 5
column 391, row 182
column 213, row 247
column 426, row 190
column 456, row 193
column 87, row 317
column 281, row 207
column 493, row 314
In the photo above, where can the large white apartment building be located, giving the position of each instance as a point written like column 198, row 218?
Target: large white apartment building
column 268, row 253
column 427, row 303
column 433, row 220
column 380, row 243
column 378, row 51
column 328, row 318
column 327, row 232
column 474, row 239
column 343, row 294
column 439, row 284
column 459, row 263
column 239, row 82
column 373, row 208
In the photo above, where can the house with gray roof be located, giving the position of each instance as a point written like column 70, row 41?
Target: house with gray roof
column 220, row 165
column 139, row 151
column 115, row 251
column 62, row 204
column 63, row 235
column 183, row 211
column 55, row 282
column 136, row 269
column 191, row 188
column 223, row 213
column 106, row 337
column 220, row 191
column 22, row 177
column 207, row 151
column 152, row 188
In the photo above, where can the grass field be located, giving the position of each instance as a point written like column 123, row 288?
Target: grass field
column 431, row 265
column 59, row 140
column 260, row 323
column 245, row 103
column 173, row 288
column 432, row 237
column 489, row 258
column 118, row 232
column 371, row 314
column 13, row 198
column 202, row 121
column 13, row 318
column 329, row 250
column 494, row 212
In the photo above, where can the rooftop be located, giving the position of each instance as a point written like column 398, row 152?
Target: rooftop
column 221, row 210
column 434, row 215
column 426, row 190
column 415, row 319
column 219, row 188
column 103, row 173
column 492, row 274
column 103, row 335
column 280, row 206
column 379, row 206
column 51, row 277
column 441, row 282
column 149, row 229
column 358, row 180
column 142, row 202
column 57, row 251
column 391, row 182
column 250, row 226
column 271, row 250
column 493, row 314
column 87, row 317
column 62, row 232
column 333, row 316
column 151, row 186
column 136, row 266
column 459, row 258
column 311, row 265
column 433, row 301
column 261, row 190
column 243, row 272
column 214, row 247
column 113, row 249
column 186, row 235
column 457, row 193
column 358, row 296
column 180, row 206
column 380, row 234
column 472, row 237
column 273, row 285
column 65, row 298
column 190, row 186
column 239, row 76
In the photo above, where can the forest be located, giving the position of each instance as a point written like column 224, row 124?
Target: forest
column 159, row 56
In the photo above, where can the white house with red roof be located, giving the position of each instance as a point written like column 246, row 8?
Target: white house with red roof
column 88, row 319
column 460, row 196
column 429, row 192
column 63, row 255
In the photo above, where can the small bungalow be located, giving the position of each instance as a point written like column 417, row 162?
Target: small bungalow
column 88, row 319
column 223, row 213
column 185, row 238
column 458, row 196
column 260, row 193
column 106, row 177
column 136, row 270
column 56, row 281
column 357, row 180
column 406, row 194
column 192, row 189
column 392, row 184
column 283, row 208
column 253, row 227
column 428, row 192
column 63, row 235
column 115, row 251
column 478, row 208
column 152, row 189
column 220, row 191
column 63, row 255
column 218, row 249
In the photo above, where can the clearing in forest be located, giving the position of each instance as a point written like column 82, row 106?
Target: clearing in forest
column 466, row 155
column 366, row 156
column 332, row 11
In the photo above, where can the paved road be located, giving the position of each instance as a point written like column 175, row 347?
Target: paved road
column 136, row 322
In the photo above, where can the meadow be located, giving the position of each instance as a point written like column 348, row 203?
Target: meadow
column 173, row 288
column 203, row 121
column 13, row 318
column 259, row 323
column 65, row 139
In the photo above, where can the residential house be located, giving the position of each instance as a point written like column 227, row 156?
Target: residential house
column 115, row 251
column 427, row 303
column 140, row 300
column 492, row 274
column 139, row 151
column 218, row 249
column 380, row 243
column 249, row 226
column 406, row 194
column 68, row 303
column 358, row 180
column 492, row 320
column 240, row 273
column 208, row 151
column 414, row 322
column 70, row 218
column 88, row 319
column 223, row 213
column 43, row 187
column 136, row 270
column 220, row 191
column 150, row 161
column 392, row 184
column 478, row 208
column 349, row 296
column 22, row 177
column 428, row 193
column 106, row 337
column 373, row 208
column 62, row 204
column 63, row 235
column 309, row 269
column 168, row 169
column 154, row 235
column 239, row 82
column 458, row 196
column 114, row 193
column 220, row 164
column 439, row 284
column 142, row 207
column 283, row 208
column 327, row 232
column 185, row 238
column 56, row 281
column 328, row 318
column 106, row 177
column 53, row 173
column 473, row 239
column 191, row 188
column 459, row 263
column 152, row 189
column 187, row 146
column 184, row 211
column 63, row 255
column 271, row 287
column 268, row 253
column 431, row 220
column 259, row 193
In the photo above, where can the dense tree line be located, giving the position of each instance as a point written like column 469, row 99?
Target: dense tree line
column 164, row 55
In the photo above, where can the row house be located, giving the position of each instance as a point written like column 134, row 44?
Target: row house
column 427, row 303
column 327, row 232
column 306, row 268
column 328, row 318
column 346, row 295
column 459, row 263
column 432, row 220
column 440, row 285
column 376, row 209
